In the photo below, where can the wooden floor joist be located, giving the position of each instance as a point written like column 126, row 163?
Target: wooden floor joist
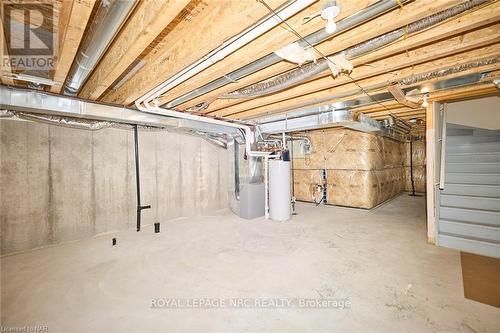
column 325, row 97
column 165, row 37
column 71, row 28
column 142, row 28
column 386, row 67
column 269, row 42
column 368, row 30
column 207, row 27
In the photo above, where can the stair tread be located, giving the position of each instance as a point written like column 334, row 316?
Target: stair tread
column 473, row 209
column 479, row 173
column 469, row 196
column 455, row 153
column 471, row 223
column 470, row 238
column 471, row 185
column 474, row 162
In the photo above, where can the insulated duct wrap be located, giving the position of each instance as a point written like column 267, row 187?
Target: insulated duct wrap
column 65, row 121
column 94, row 125
column 109, row 17
column 448, row 71
column 362, row 169
column 308, row 71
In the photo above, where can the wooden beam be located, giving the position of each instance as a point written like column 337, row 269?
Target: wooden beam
column 6, row 71
column 398, row 112
column 399, row 95
column 476, row 18
column 148, row 21
column 430, row 156
column 413, row 57
column 328, row 95
column 206, row 27
column 269, row 42
column 477, row 91
column 74, row 18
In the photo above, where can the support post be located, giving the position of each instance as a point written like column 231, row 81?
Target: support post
column 431, row 156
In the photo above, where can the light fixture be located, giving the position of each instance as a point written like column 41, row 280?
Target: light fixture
column 425, row 102
column 496, row 82
column 329, row 12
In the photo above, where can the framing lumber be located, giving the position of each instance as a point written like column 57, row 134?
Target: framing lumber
column 328, row 95
column 72, row 23
column 368, row 30
column 273, row 40
column 148, row 21
column 414, row 56
column 399, row 95
column 192, row 38
column 5, row 71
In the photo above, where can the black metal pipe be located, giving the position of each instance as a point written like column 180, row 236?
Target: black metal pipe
column 137, row 180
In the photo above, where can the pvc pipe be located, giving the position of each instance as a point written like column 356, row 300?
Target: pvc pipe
column 443, row 149
column 266, row 186
column 249, row 134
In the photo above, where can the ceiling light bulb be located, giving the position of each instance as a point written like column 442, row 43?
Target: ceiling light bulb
column 425, row 103
column 329, row 12
column 330, row 27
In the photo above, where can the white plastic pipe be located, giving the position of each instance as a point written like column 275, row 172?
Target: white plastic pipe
column 229, row 47
column 266, row 186
column 249, row 134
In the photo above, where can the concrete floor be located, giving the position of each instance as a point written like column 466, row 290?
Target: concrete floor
column 379, row 260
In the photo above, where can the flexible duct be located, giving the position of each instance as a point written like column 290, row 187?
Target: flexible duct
column 110, row 16
column 309, row 70
column 314, row 38
column 448, row 70
column 72, row 122
column 87, row 124
column 94, row 125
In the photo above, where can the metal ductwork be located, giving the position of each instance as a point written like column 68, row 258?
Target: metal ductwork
column 314, row 38
column 340, row 114
column 109, row 18
column 409, row 82
column 56, row 107
column 307, row 71
column 327, row 117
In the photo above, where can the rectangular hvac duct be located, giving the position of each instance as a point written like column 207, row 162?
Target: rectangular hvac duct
column 344, row 118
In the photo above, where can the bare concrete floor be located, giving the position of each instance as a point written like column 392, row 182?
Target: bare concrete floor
column 379, row 260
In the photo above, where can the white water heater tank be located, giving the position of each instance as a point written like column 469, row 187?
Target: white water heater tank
column 280, row 194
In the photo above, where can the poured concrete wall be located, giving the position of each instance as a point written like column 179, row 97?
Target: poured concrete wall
column 60, row 184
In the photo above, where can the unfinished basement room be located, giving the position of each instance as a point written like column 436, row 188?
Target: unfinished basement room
column 250, row 166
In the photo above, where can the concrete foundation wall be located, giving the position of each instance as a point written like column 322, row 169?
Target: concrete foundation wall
column 60, row 184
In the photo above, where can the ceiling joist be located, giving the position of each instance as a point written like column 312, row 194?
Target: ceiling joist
column 208, row 26
column 72, row 23
column 142, row 28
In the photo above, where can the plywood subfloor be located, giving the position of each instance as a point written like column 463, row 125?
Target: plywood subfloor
column 379, row 259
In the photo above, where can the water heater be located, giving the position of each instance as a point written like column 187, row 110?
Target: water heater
column 280, row 194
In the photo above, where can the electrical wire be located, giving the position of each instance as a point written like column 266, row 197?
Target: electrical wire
column 298, row 35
